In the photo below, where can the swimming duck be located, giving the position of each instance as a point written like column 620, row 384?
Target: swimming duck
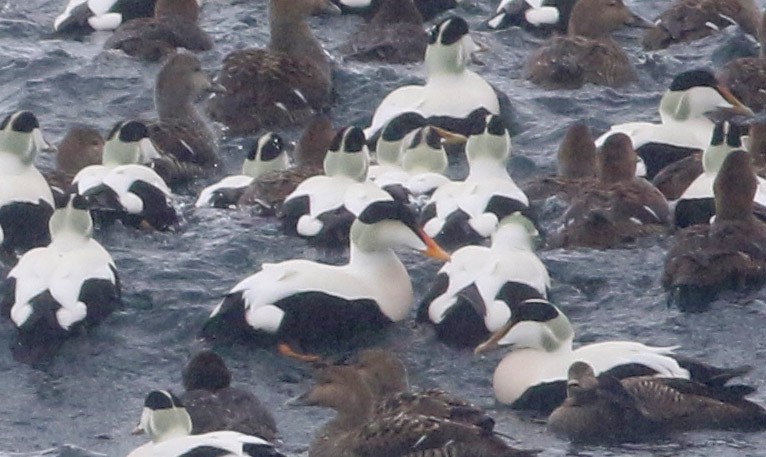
column 355, row 432
column 124, row 189
column 605, row 409
column 174, row 25
column 469, row 211
column 746, row 77
column 543, row 17
column 82, row 146
column 469, row 297
column 728, row 253
column 168, row 424
column 575, row 167
column 395, row 34
column 451, row 92
column 269, row 190
column 54, row 291
column 303, row 302
column 213, row 404
column 26, row 201
column 533, row 375
column 185, row 141
column 689, row 20
column 86, row 16
column 619, row 207
column 683, row 129
column 587, row 54
column 427, row 9
column 280, row 85
column 268, row 154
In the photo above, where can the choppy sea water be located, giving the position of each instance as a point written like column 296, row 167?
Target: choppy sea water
column 89, row 398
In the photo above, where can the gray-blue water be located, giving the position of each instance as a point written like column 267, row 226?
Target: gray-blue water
column 89, row 398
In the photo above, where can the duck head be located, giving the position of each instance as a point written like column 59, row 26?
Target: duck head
column 534, row 324
column 71, row 221
column 382, row 371
column 577, row 153
column 696, row 92
column 450, row 46
column 599, row 18
column 395, row 134
column 425, row 152
column 267, row 155
column 734, row 188
column 20, row 135
column 128, row 142
column 726, row 138
column 617, row 159
column 164, row 417
column 348, row 155
column 206, row 371
column 488, row 140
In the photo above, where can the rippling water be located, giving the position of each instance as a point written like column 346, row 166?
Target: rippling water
column 89, row 398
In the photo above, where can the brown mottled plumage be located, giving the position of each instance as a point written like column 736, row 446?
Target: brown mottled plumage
column 728, row 254
column 282, row 84
column 689, row 20
column 746, row 77
column 587, row 54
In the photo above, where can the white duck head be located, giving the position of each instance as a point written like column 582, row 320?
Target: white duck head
column 163, row 417
column 450, row 47
column 73, row 221
column 128, row 143
column 726, row 138
column 21, row 137
column 694, row 93
column 390, row 142
column 348, row 155
column 425, row 152
column 267, row 155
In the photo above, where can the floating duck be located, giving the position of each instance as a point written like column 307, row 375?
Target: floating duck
column 451, row 92
column 605, row 409
column 26, row 201
column 469, row 299
column 86, row 16
column 303, row 302
column 167, row 422
column 683, row 129
column 55, row 290
column 689, row 20
column 121, row 188
column 543, row 17
column 281, row 85
column 746, row 77
column 174, row 25
column 213, row 404
column 267, row 155
column 356, row 432
column 469, row 211
column 533, row 375
column 728, row 253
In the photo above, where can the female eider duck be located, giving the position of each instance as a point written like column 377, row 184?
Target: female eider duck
column 683, row 129
column 267, row 155
column 312, row 304
column 213, row 404
column 533, row 375
column 587, row 54
column 730, row 253
column 543, row 17
column 282, row 84
column 451, row 92
column 469, row 211
column 124, row 189
column 356, row 432
column 55, row 290
column 471, row 295
column 86, row 16
column 689, row 20
column 173, row 26
column 168, row 424
column 746, row 77
column 605, row 409
column 26, row 200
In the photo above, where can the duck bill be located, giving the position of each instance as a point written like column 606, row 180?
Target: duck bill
column 637, row 21
column 493, row 341
column 450, row 137
column 432, row 248
column 737, row 106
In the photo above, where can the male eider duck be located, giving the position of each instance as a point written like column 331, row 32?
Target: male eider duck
column 470, row 296
column 730, row 253
column 173, row 26
column 689, row 20
column 543, row 17
column 683, row 129
column 282, row 84
column 267, row 155
column 304, row 302
column 168, row 424
column 122, row 188
column 356, row 432
column 533, row 375
column 605, row 409
column 587, row 54
column 467, row 212
column 213, row 404
column 26, row 201
column 55, row 290
column 85, row 16
column 746, row 77
column 451, row 92
column 185, row 141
